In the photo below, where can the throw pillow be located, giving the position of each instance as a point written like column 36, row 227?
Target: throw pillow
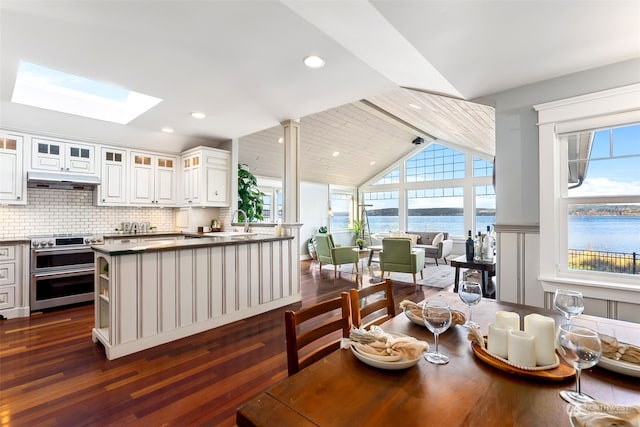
column 414, row 238
column 437, row 239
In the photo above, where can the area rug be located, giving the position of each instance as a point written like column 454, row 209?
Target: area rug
column 441, row 276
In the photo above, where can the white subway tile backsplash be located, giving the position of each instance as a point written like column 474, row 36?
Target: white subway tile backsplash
column 72, row 211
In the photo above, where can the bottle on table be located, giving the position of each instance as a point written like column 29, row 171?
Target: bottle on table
column 487, row 246
column 477, row 248
column 469, row 247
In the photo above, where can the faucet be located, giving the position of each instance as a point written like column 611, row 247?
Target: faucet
column 246, row 219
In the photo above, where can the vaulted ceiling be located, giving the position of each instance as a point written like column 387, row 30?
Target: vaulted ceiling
column 240, row 62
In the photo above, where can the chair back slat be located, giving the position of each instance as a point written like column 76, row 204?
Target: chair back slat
column 323, row 322
column 360, row 311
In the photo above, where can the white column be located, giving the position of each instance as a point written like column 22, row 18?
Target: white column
column 291, row 181
column 291, row 195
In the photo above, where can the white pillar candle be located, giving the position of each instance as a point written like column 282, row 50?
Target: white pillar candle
column 522, row 348
column 543, row 329
column 498, row 340
column 508, row 320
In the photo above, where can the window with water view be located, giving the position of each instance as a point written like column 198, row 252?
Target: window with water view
column 341, row 206
column 603, row 211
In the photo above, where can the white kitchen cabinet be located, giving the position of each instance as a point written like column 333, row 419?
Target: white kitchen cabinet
column 12, row 182
column 153, row 179
column 63, row 156
column 112, row 190
column 205, row 177
column 14, row 280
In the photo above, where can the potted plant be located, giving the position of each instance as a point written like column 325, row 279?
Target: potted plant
column 358, row 228
column 322, row 230
column 360, row 243
column 250, row 198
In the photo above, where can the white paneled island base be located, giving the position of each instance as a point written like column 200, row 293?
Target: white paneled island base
column 154, row 294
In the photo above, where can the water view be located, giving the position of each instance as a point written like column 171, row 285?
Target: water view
column 598, row 233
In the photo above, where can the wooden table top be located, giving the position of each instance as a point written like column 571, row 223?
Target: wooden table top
column 339, row 390
column 461, row 261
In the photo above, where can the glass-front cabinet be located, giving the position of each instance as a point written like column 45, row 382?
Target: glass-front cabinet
column 12, row 184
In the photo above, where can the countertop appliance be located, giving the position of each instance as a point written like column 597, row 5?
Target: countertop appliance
column 62, row 269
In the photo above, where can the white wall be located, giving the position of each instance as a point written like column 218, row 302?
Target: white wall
column 314, row 211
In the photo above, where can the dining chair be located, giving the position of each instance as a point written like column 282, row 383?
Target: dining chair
column 365, row 314
column 321, row 331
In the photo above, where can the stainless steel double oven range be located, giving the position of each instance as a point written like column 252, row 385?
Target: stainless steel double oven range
column 62, row 269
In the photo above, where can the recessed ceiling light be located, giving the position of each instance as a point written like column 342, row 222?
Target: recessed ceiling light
column 55, row 90
column 314, row 61
column 197, row 115
column 372, row 163
column 280, row 140
column 167, row 130
column 416, row 106
column 336, row 153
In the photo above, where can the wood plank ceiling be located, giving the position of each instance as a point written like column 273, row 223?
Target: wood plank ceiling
column 378, row 130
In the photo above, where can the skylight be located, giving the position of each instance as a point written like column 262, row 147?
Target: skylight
column 44, row 87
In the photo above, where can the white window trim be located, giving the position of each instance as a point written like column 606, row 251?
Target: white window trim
column 602, row 109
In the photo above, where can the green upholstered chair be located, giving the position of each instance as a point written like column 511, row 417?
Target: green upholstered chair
column 328, row 253
column 398, row 256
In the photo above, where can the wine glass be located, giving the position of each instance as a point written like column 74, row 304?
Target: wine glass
column 470, row 293
column 581, row 347
column 570, row 303
column 437, row 318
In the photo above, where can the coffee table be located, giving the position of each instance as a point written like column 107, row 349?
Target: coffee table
column 487, row 270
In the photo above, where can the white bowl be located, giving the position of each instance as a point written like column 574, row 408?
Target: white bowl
column 377, row 363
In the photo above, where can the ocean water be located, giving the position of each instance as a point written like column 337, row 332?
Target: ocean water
column 599, row 233
column 605, row 233
column 454, row 225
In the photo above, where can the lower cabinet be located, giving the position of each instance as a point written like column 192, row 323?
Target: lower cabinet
column 14, row 280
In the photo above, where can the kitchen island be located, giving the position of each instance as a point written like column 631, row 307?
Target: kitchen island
column 151, row 293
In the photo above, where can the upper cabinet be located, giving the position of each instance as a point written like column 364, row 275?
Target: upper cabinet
column 205, row 177
column 12, row 185
column 153, row 179
column 62, row 156
column 113, row 184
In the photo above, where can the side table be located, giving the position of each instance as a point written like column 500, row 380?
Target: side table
column 487, row 270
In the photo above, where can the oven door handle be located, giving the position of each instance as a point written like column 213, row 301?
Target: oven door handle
column 61, row 251
column 64, row 273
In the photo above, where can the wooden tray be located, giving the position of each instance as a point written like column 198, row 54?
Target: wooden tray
column 561, row 373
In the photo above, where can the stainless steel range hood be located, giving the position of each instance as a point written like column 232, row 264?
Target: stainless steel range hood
column 60, row 180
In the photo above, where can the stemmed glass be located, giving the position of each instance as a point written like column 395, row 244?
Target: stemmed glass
column 582, row 348
column 437, row 318
column 470, row 293
column 570, row 303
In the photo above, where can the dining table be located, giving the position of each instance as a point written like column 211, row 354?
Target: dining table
column 341, row 390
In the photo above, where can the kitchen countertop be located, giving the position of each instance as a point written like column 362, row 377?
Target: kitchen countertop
column 123, row 235
column 13, row 240
column 200, row 242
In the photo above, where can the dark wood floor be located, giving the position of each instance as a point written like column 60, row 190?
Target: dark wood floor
column 52, row 374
